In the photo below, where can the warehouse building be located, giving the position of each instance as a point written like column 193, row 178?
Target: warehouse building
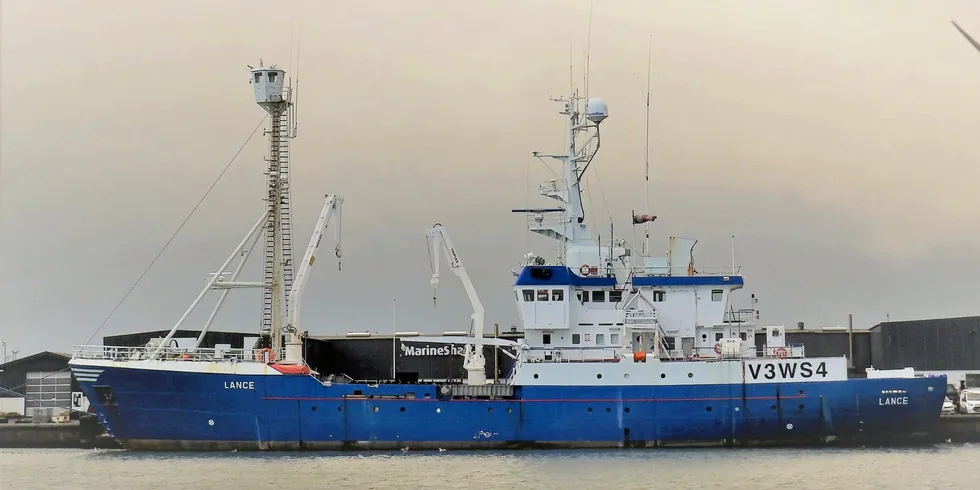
column 39, row 386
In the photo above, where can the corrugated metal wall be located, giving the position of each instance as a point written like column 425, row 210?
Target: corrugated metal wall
column 942, row 344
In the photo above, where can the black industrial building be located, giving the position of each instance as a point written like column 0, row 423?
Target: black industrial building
column 43, row 380
column 941, row 344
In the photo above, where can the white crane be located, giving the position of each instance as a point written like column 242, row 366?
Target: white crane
column 332, row 208
column 474, row 363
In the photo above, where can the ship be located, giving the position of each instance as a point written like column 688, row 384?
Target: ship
column 620, row 349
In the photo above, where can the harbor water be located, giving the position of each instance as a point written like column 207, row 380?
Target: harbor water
column 942, row 466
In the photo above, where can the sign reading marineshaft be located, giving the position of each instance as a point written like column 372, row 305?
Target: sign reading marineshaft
column 416, row 350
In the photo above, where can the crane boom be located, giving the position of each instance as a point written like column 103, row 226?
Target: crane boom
column 475, row 363
column 332, row 209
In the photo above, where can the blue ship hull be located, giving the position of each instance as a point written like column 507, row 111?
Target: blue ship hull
column 161, row 410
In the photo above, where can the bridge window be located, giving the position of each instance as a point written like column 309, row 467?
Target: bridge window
column 546, row 338
column 659, row 296
column 542, row 295
column 598, row 296
column 528, row 295
column 716, row 294
column 600, row 339
column 615, row 296
column 576, row 339
column 557, row 295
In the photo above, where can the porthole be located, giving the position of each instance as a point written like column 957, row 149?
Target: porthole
column 313, row 408
column 627, row 409
column 663, row 375
column 490, row 410
column 626, row 375
column 377, row 409
column 535, row 376
column 598, row 376
column 401, row 409
column 608, row 409
column 509, row 410
column 438, row 410
column 590, row 409
column 800, row 408
column 707, row 409
column 340, row 409
column 690, row 375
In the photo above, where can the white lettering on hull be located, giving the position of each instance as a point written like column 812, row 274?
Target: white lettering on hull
column 893, row 400
column 239, row 385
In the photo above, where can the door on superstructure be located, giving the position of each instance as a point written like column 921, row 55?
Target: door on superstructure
column 550, row 306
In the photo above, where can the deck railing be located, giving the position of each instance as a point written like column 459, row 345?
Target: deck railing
column 118, row 353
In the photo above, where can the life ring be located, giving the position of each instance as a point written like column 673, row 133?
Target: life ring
column 781, row 353
column 717, row 348
column 584, row 270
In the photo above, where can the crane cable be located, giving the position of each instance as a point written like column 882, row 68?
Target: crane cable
column 172, row 237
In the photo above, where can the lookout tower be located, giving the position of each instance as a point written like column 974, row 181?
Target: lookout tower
column 268, row 85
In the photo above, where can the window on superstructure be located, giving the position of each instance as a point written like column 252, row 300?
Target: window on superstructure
column 614, row 338
column 598, row 296
column 615, row 296
column 272, row 77
column 546, row 339
column 718, row 337
column 659, row 296
column 542, row 295
column 258, row 77
column 576, row 339
column 557, row 295
column 600, row 339
column 716, row 294
column 670, row 342
column 528, row 295
column 741, row 335
column 584, row 296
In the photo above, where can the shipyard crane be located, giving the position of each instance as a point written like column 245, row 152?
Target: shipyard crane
column 475, row 363
column 332, row 209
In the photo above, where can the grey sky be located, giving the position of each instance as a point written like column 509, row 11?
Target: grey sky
column 835, row 139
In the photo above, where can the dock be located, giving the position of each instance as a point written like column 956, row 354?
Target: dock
column 85, row 433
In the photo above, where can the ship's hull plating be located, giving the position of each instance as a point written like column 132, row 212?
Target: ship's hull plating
column 166, row 410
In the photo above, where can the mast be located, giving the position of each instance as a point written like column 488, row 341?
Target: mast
column 271, row 95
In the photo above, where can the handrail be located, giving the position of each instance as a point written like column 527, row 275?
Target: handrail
column 169, row 353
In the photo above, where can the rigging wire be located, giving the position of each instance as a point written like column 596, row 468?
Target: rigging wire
column 172, row 237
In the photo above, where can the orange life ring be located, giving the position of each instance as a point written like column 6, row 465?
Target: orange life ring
column 717, row 348
column 584, row 270
column 267, row 354
column 781, row 353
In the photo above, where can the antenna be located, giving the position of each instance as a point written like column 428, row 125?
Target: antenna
column 967, row 36
column 646, row 156
column 588, row 50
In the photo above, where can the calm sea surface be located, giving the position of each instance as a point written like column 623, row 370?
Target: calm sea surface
column 940, row 467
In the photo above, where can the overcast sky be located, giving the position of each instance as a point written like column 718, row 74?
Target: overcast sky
column 835, row 139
